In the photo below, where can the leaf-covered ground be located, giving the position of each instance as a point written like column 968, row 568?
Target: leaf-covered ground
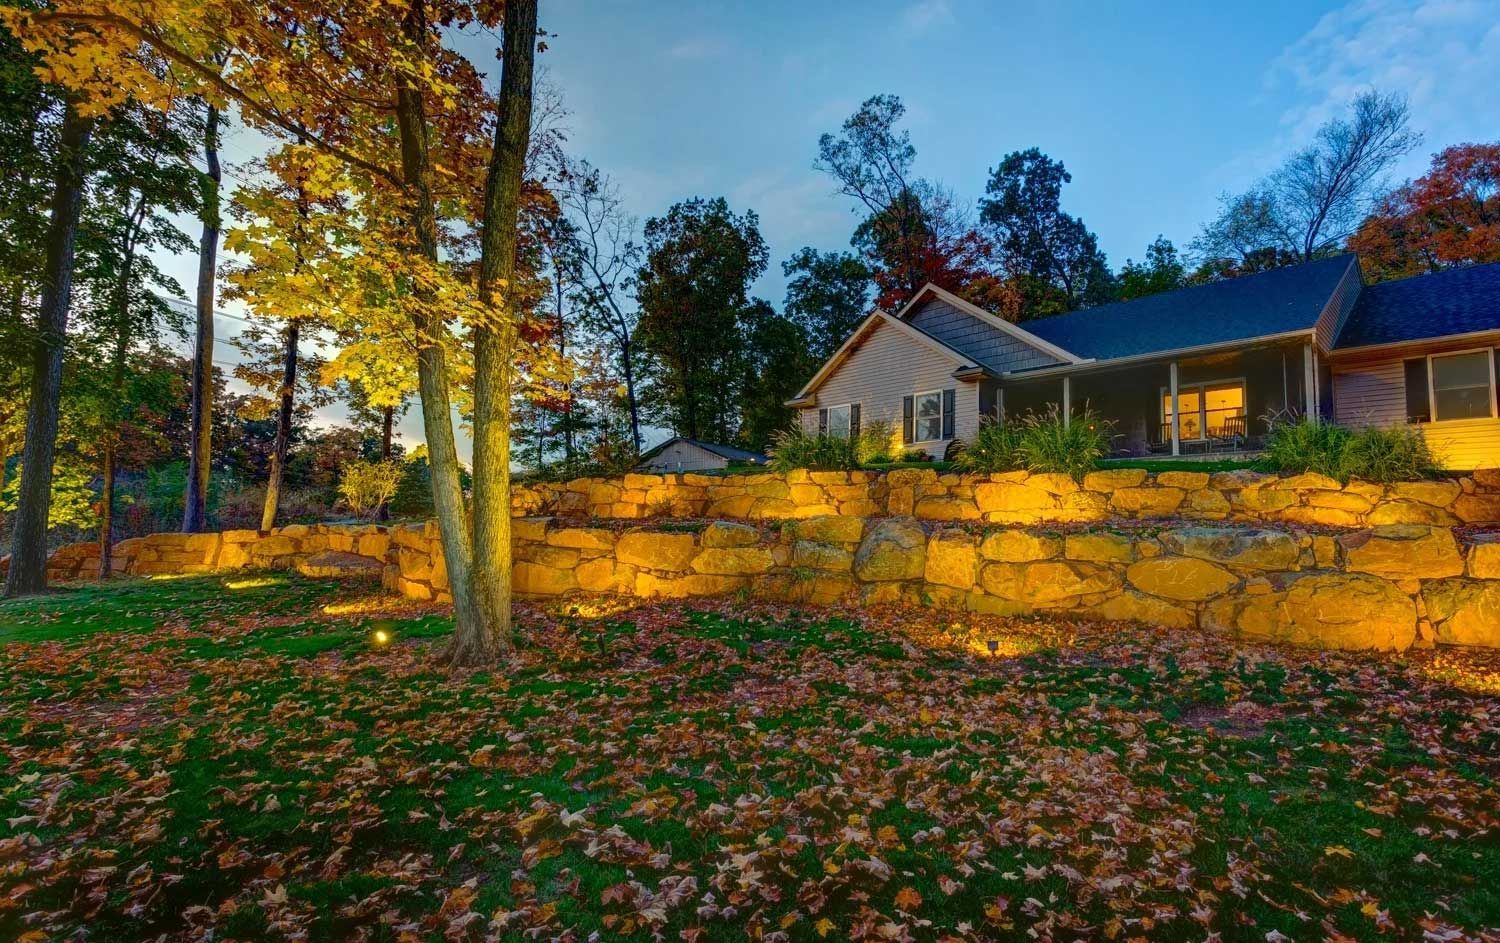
column 239, row 759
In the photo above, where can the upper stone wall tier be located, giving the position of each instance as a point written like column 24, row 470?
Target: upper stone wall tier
column 1023, row 498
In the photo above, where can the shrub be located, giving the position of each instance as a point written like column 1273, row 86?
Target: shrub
column 1307, row 446
column 798, row 448
column 1050, row 443
column 996, row 448
column 365, row 486
column 1394, row 453
column 874, row 443
column 74, row 501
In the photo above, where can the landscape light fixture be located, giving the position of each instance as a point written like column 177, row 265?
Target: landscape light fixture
column 380, row 637
column 993, row 645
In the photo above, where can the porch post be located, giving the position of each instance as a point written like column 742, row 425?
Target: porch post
column 1067, row 404
column 1176, row 414
column 1309, row 384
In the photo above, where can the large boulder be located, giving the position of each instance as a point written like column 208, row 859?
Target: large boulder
column 1320, row 610
column 1147, row 501
column 730, row 534
column 1259, row 549
column 1014, row 502
column 829, row 529
column 893, row 549
column 1047, row 582
column 1403, row 552
column 1464, row 612
column 657, row 550
column 1484, row 557
column 1182, row 578
column 535, row 579
column 1099, row 548
column 1138, row 607
column 952, row 559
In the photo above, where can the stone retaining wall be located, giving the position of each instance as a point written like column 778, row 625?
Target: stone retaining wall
column 1387, row 587
column 1023, row 498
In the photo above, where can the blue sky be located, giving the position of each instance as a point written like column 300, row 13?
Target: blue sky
column 1155, row 108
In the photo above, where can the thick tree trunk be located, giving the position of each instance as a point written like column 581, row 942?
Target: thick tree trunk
column 432, row 365
column 200, row 450
column 283, row 429
column 495, row 342
column 28, row 561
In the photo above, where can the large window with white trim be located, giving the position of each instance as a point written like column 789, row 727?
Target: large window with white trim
column 1463, row 385
column 927, row 412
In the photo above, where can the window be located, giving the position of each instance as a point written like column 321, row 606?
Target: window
column 928, row 411
column 838, row 421
column 1208, row 409
column 1462, row 386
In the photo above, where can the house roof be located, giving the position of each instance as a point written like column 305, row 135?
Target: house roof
column 1280, row 301
column 1460, row 301
column 872, row 321
column 1018, row 332
column 723, row 451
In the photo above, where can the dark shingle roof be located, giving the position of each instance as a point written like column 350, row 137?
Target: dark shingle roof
column 723, row 451
column 1460, row 301
column 1274, row 302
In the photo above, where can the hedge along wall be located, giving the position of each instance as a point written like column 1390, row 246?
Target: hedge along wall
column 1387, row 587
column 1022, row 498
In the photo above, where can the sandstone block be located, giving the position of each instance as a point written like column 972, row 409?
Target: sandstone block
column 1047, row 582
column 829, row 529
column 1410, row 512
column 1099, row 548
column 1147, row 502
column 1479, row 508
column 733, row 561
column 1018, row 546
column 952, row 559
column 1186, row 480
column 1464, row 612
column 892, row 549
column 582, row 538
column 1436, row 493
column 1138, row 607
column 1403, row 551
column 817, row 556
column 727, row 534
column 656, row 549
column 1321, row 610
column 1112, row 479
column 1259, row 549
column 1181, row 578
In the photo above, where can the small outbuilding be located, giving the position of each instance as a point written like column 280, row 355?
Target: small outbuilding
column 681, row 454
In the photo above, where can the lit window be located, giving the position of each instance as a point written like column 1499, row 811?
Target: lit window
column 929, row 416
column 1461, row 386
column 1216, row 409
column 838, row 421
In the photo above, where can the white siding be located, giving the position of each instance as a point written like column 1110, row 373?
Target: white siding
column 683, row 456
column 1374, row 394
column 886, row 366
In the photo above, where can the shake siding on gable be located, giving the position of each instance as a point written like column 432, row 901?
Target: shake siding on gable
column 989, row 345
column 1336, row 312
column 1374, row 394
column 886, row 366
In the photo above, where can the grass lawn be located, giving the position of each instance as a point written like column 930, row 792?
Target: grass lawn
column 234, row 758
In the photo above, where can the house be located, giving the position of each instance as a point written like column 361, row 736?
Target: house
column 679, row 454
column 1207, row 368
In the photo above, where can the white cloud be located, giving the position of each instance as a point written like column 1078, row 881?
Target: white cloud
column 926, row 14
column 1443, row 54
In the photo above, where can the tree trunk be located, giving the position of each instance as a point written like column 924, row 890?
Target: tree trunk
column 200, row 450
column 28, row 560
column 432, row 365
column 283, row 429
column 495, row 342
column 387, row 421
column 112, row 437
column 562, row 353
column 627, row 362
